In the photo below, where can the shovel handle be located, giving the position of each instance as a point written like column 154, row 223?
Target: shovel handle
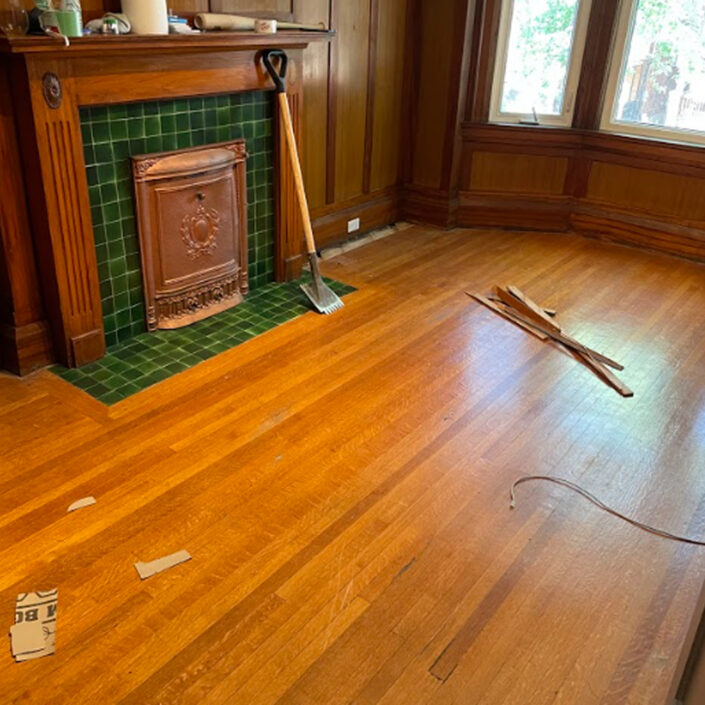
column 279, row 79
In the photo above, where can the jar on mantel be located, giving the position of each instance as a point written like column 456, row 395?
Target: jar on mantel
column 13, row 18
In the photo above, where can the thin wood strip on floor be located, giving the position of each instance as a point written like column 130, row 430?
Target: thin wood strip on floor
column 512, row 304
column 341, row 484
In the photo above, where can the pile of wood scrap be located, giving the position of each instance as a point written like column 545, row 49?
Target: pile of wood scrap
column 513, row 305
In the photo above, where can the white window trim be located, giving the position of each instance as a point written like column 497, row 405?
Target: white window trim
column 619, row 58
column 565, row 119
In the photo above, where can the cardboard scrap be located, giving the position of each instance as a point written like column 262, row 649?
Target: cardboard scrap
column 81, row 503
column 147, row 570
column 26, row 638
column 34, row 632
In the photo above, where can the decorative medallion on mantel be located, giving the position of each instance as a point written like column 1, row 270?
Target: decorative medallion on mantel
column 191, row 207
column 52, row 91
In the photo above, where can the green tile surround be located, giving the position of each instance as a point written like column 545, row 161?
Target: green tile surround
column 112, row 134
column 149, row 358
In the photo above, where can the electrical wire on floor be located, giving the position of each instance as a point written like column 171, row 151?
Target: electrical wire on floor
column 599, row 503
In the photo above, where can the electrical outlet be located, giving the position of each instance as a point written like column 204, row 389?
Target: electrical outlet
column 353, row 225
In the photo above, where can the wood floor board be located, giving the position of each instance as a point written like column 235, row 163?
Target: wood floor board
column 342, row 485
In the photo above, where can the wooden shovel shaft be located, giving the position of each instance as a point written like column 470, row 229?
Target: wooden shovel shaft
column 296, row 169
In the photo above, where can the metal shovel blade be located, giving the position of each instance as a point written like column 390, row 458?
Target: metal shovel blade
column 324, row 299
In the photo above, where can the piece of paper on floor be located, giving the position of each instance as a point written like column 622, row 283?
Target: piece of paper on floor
column 147, row 570
column 34, row 632
column 81, row 503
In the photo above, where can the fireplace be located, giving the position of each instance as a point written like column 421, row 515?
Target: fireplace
column 193, row 232
column 52, row 86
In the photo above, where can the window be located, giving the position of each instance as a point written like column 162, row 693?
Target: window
column 657, row 79
column 539, row 51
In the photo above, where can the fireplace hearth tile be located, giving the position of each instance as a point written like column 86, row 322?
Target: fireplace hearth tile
column 149, row 358
column 112, row 134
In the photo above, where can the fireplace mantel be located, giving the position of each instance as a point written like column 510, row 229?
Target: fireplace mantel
column 172, row 43
column 43, row 84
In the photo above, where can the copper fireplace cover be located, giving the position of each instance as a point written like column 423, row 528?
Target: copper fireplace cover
column 192, row 215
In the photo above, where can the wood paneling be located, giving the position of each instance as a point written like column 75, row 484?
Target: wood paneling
column 352, row 22
column 626, row 189
column 442, row 46
column 596, row 60
column 648, row 191
column 188, row 5
column 389, row 94
column 517, row 173
column 315, row 117
column 434, row 89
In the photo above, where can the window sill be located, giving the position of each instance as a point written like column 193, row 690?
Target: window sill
column 654, row 138
column 572, row 141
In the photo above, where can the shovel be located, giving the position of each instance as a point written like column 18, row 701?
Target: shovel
column 322, row 296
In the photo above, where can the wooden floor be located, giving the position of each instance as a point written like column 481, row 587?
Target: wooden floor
column 342, row 484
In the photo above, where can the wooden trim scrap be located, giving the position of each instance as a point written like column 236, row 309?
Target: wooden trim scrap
column 515, row 306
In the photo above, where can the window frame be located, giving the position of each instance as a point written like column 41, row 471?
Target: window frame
column 618, row 60
column 565, row 118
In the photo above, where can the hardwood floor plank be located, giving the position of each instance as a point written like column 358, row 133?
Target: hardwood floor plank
column 342, row 485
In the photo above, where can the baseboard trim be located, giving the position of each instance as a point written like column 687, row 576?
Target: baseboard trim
column 379, row 210
column 639, row 231
column 524, row 212
column 26, row 348
column 429, row 206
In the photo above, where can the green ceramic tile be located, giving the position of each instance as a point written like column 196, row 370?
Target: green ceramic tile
column 135, row 362
column 113, row 134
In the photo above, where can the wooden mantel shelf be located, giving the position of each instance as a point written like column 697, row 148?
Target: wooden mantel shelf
column 214, row 41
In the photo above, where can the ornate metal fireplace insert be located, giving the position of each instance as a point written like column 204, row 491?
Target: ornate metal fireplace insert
column 191, row 207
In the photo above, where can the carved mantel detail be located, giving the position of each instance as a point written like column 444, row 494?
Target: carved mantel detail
column 53, row 93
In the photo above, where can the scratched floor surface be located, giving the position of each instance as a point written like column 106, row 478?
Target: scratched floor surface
column 342, row 485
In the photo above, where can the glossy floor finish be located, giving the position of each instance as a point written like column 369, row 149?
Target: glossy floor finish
column 342, row 485
column 150, row 358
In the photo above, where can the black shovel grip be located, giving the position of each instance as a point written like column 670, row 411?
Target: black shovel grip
column 279, row 77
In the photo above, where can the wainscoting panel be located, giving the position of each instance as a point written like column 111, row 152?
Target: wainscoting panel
column 518, row 173
column 624, row 189
column 648, row 191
